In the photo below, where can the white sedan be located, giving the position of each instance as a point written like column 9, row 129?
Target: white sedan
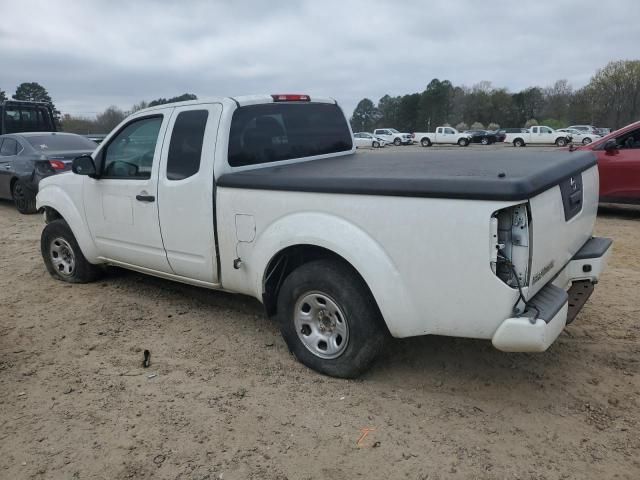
column 581, row 136
column 368, row 140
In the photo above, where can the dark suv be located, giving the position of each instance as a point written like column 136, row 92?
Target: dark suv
column 17, row 116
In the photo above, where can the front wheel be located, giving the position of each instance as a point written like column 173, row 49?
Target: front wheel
column 397, row 142
column 484, row 141
column 463, row 142
column 375, row 144
column 23, row 198
column 425, row 142
column 586, row 141
column 62, row 255
column 518, row 142
column 329, row 319
column 561, row 142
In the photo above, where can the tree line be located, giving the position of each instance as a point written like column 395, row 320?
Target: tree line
column 610, row 99
column 104, row 121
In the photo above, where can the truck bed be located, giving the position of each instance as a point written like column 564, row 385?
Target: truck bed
column 495, row 175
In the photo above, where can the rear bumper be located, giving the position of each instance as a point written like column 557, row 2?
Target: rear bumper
column 557, row 304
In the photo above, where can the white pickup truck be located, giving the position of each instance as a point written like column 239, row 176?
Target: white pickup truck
column 265, row 196
column 442, row 136
column 539, row 135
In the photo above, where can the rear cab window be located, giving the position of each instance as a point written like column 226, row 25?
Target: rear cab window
column 27, row 118
column 284, row 131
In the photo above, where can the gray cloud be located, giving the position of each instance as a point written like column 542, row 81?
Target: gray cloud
column 93, row 54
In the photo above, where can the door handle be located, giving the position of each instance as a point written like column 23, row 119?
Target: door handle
column 146, row 198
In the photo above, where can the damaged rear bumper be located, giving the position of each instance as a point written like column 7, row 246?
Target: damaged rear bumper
column 557, row 304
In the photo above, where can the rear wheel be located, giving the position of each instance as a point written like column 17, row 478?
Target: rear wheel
column 561, row 142
column 62, row 255
column 586, row 141
column 397, row 142
column 425, row 142
column 23, row 198
column 485, row 141
column 518, row 142
column 329, row 319
column 375, row 144
column 463, row 142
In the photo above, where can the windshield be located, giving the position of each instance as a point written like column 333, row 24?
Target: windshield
column 393, row 130
column 282, row 131
column 44, row 143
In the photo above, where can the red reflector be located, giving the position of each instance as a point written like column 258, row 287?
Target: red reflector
column 57, row 164
column 288, row 97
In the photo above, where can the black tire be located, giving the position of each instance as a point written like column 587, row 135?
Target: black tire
column 375, row 144
column 463, row 142
column 397, row 142
column 23, row 198
column 561, row 142
column 58, row 236
column 365, row 332
column 518, row 142
column 586, row 141
column 425, row 142
column 485, row 141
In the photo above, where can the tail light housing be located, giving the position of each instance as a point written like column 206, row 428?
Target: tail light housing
column 509, row 245
column 57, row 164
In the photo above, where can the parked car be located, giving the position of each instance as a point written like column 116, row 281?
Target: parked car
column 442, row 136
column 538, row 135
column 263, row 195
column 579, row 136
column 365, row 139
column 585, row 128
column 27, row 158
column 22, row 116
column 391, row 135
column 482, row 136
column 618, row 157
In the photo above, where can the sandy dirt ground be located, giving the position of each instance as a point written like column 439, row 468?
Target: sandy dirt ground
column 223, row 398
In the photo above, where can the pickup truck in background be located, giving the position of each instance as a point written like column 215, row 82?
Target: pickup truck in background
column 264, row 196
column 17, row 116
column 538, row 135
column 443, row 136
column 391, row 135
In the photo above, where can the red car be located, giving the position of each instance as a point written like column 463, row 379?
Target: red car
column 619, row 164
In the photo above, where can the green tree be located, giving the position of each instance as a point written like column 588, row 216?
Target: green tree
column 79, row 125
column 365, row 116
column 408, row 112
column 557, row 99
column 553, row 123
column 434, row 105
column 3, row 95
column 180, row 98
column 532, row 122
column 477, row 126
column 389, row 108
column 32, row 91
column 461, row 127
column 493, row 126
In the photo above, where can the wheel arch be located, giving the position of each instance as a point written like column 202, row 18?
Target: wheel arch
column 56, row 203
column 369, row 261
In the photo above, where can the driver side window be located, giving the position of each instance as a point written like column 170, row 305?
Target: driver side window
column 630, row 140
column 130, row 154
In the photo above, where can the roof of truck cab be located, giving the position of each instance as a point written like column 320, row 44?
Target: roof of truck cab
column 500, row 175
column 240, row 101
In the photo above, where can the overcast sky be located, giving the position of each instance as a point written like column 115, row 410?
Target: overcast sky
column 93, row 54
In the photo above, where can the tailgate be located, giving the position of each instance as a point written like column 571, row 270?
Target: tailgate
column 562, row 220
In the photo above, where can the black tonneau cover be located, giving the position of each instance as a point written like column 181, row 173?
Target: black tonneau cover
column 511, row 174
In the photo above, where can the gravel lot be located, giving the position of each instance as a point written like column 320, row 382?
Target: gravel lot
column 224, row 399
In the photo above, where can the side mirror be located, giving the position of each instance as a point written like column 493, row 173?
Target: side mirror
column 610, row 146
column 83, row 165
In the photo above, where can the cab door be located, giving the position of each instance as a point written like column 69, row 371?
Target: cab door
column 121, row 203
column 620, row 170
column 186, row 194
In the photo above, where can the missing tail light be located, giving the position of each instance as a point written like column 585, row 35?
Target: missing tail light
column 509, row 245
